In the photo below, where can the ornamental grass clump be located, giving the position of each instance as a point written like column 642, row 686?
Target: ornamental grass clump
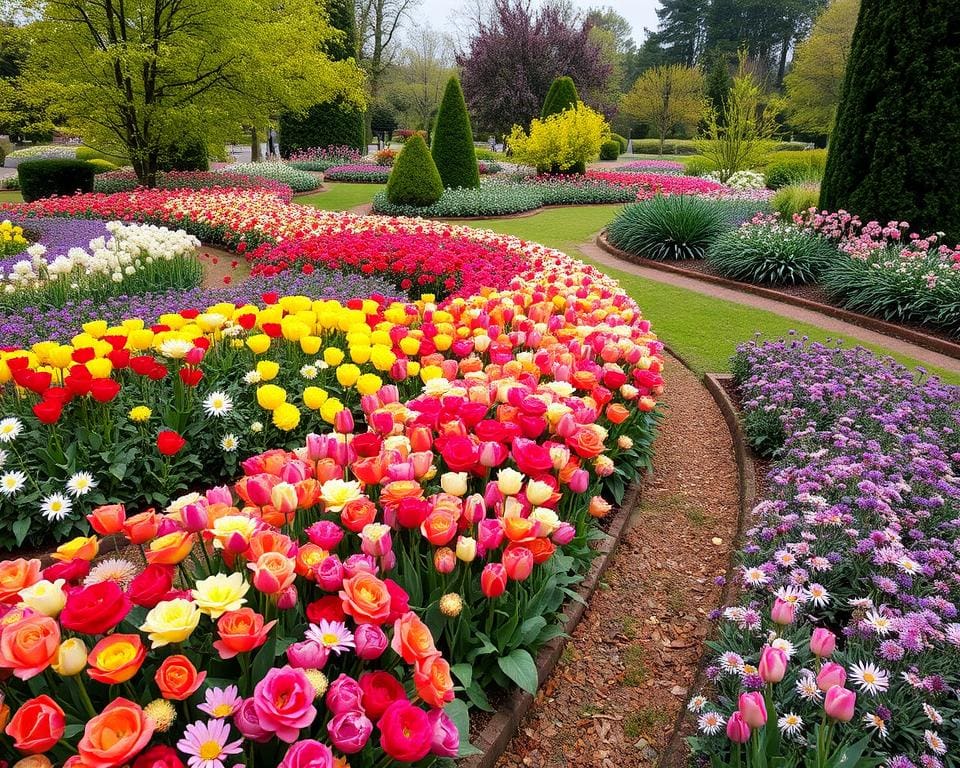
column 668, row 228
column 770, row 252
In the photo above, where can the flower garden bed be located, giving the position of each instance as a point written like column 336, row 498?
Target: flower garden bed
column 806, row 296
column 465, row 439
column 358, row 173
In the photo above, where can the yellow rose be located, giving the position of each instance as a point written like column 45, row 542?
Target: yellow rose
column 171, row 621
column 314, row 397
column 259, row 343
column 330, row 409
column 333, row 356
column 270, row 396
column 33, row 761
column 71, row 657
column 286, row 416
column 348, row 374
column 220, row 593
column 369, row 383
column 268, row 370
column 46, row 597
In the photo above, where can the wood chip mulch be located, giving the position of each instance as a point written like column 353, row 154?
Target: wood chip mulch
column 614, row 698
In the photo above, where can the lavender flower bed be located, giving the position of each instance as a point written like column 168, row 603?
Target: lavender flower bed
column 857, row 548
column 668, row 167
column 362, row 173
column 57, row 235
column 31, row 325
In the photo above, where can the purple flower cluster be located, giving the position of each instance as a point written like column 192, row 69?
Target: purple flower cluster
column 367, row 173
column 860, row 530
column 669, row 167
column 57, row 235
column 33, row 324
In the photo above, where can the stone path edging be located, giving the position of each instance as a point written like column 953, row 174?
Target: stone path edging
column 933, row 343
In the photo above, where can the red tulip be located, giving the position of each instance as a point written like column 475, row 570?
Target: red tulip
column 169, row 442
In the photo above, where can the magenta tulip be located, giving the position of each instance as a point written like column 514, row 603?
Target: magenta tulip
column 823, row 642
column 773, row 664
column 737, row 729
column 831, row 674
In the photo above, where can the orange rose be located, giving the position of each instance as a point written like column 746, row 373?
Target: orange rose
column 241, row 631
column 116, row 735
column 16, row 575
column 30, row 645
column 586, row 442
column 139, row 529
column 357, row 514
column 116, row 658
column 412, row 638
column 37, row 725
column 567, row 470
column 431, row 676
column 583, row 380
column 542, row 549
column 309, row 558
column 471, row 364
column 268, row 541
column 366, row 598
column 439, row 527
column 598, row 507
column 171, row 549
column 107, row 519
column 617, row 413
column 394, row 492
column 178, row 679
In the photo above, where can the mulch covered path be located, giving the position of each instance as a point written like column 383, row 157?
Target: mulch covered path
column 614, row 699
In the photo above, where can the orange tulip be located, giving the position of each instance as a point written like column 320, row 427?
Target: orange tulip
column 171, row 548
column 108, row 519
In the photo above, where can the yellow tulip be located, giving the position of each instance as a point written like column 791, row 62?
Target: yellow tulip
column 431, row 372
column 96, row 328
column 409, row 345
column 347, row 374
column 314, row 397
column 310, row 344
column 333, row 356
column 360, row 354
column 100, row 368
column 286, row 416
column 368, row 383
column 270, row 396
column 330, row 409
column 259, row 343
column 140, row 339
column 268, row 370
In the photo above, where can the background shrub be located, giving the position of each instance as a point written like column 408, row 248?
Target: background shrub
column 89, row 153
column 101, row 166
column 670, row 227
column 336, row 123
column 795, row 198
column 561, row 95
column 359, row 173
column 415, row 180
column 621, row 141
column 670, row 147
column 784, row 168
column 43, row 178
column 188, row 155
column 452, row 147
column 771, row 253
column 610, row 150
column 699, row 166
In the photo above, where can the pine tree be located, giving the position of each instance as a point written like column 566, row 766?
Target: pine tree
column 452, row 147
column 562, row 94
column 680, row 30
column 414, row 179
column 893, row 153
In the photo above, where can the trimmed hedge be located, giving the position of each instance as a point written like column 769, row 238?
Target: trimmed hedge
column 415, row 180
column 100, row 165
column 562, row 95
column 621, row 141
column 610, row 150
column 191, row 155
column 338, row 123
column 452, row 149
column 89, row 153
column 43, row 178
column 670, row 147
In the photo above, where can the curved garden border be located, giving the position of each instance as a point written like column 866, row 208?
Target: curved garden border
column 933, row 343
column 518, row 215
column 494, row 739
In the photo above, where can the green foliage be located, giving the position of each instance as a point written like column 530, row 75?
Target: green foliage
column 562, row 95
column 670, row 147
column 670, row 227
column 893, row 153
column 620, row 140
column 795, row 198
column 699, row 166
column 89, row 153
column 415, row 179
column 452, row 147
column 785, row 168
column 772, row 254
column 668, row 98
column 190, row 154
column 297, row 180
column 610, row 150
column 43, row 178
column 101, row 166
column 336, row 123
column 563, row 143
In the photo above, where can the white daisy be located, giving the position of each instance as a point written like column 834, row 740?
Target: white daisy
column 710, row 723
column 932, row 715
column 697, row 703
column 10, row 429
column 792, row 594
column 807, row 686
column 907, row 565
column 12, row 482
column 818, row 595
column 309, row 371
column 251, row 377
column 784, row 645
column 81, row 484
column 819, row 563
column 878, row 622
column 731, row 662
column 256, row 426
column 790, row 724
column 785, row 558
column 937, row 745
column 56, row 506
column 114, row 569
column 870, row 678
column 755, row 577
column 3, row 458
column 229, row 442
column 322, row 365
column 876, row 723
column 217, row 404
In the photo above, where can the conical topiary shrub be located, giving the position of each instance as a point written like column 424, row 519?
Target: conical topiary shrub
column 414, row 179
column 452, row 147
column 562, row 95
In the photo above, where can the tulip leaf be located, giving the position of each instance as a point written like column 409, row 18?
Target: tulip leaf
column 530, row 629
column 457, row 711
column 463, row 672
column 20, row 529
column 263, row 661
column 521, row 669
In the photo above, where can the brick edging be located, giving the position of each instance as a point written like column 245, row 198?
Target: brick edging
column 933, row 343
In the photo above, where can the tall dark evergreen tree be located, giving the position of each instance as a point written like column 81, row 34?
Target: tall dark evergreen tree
column 452, row 147
column 333, row 123
column 893, row 154
column 680, row 30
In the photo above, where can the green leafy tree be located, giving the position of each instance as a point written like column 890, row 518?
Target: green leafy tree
column 452, row 147
column 142, row 75
column 893, row 153
column 741, row 136
column 562, row 95
column 415, row 179
column 667, row 98
column 814, row 82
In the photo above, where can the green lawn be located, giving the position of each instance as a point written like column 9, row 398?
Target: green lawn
column 702, row 330
column 10, row 196
column 341, row 196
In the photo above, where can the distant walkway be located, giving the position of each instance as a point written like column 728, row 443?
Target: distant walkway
column 839, row 327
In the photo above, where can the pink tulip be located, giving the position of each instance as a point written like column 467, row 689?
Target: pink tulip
column 783, row 612
column 840, row 703
column 490, row 533
column 737, row 729
column 518, row 560
column 753, row 709
column 343, row 421
column 823, row 642
column 325, row 534
column 194, row 517
column 564, row 534
column 773, row 664
column 579, row 480
column 831, row 674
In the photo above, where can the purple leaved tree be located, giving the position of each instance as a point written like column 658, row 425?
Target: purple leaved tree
column 510, row 62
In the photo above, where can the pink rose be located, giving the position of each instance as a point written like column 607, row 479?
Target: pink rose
column 371, row 641
column 344, row 695
column 248, row 723
column 446, row 737
column 349, row 731
column 405, row 732
column 330, row 574
column 283, row 700
column 308, row 754
column 307, row 654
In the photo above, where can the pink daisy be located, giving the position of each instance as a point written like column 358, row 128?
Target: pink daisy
column 207, row 745
column 332, row 635
column 221, row 702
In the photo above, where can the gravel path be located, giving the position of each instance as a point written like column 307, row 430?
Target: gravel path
column 615, row 697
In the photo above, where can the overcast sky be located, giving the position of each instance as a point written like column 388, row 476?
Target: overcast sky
column 442, row 14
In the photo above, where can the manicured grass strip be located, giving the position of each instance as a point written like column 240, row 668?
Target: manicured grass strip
column 10, row 196
column 342, row 196
column 703, row 330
